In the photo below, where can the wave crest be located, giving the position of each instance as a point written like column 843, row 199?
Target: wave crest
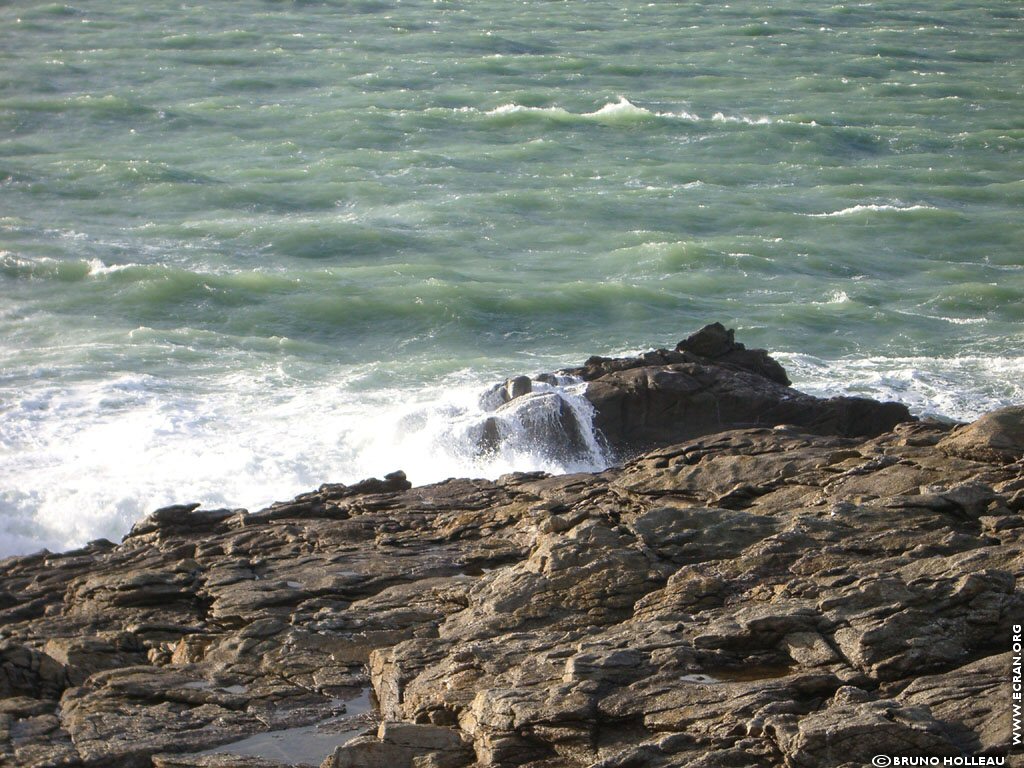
column 853, row 210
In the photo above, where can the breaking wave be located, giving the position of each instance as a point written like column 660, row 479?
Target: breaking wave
column 870, row 208
column 86, row 460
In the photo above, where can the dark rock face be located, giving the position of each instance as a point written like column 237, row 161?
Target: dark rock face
column 756, row 597
column 713, row 342
column 710, row 383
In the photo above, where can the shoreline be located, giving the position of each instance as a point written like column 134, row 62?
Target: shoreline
column 103, row 470
column 765, row 573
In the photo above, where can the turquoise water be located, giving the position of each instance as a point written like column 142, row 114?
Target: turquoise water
column 249, row 247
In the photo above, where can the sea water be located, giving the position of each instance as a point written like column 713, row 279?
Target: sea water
column 250, row 247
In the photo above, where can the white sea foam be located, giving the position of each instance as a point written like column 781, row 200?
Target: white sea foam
column 720, row 117
column 513, row 109
column 98, row 267
column 622, row 110
column 86, row 460
column 835, row 297
column 871, row 207
column 960, row 388
column 616, row 111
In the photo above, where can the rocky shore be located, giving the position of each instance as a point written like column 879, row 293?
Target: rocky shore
column 766, row 579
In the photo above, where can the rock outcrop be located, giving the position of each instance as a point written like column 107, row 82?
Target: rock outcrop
column 710, row 383
column 814, row 592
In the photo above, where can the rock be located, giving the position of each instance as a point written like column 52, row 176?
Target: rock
column 707, row 384
column 997, row 437
column 710, row 383
column 810, row 591
column 846, row 733
column 967, row 703
column 83, row 656
column 27, row 672
column 181, row 518
column 542, row 421
column 519, row 386
column 404, row 745
column 714, row 342
column 508, row 390
column 213, row 761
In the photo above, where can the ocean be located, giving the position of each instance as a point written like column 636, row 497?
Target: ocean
column 247, row 248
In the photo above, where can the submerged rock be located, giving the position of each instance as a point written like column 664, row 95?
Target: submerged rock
column 806, row 594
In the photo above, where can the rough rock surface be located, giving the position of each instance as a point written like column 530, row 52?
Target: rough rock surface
column 753, row 597
column 710, row 383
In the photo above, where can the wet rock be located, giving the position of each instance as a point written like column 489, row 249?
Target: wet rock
column 519, row 386
column 710, row 383
column 181, row 518
column 405, row 745
column 214, row 761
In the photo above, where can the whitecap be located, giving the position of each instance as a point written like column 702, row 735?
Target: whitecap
column 98, row 267
column 961, row 388
column 622, row 108
column 835, row 297
column 515, row 109
column 871, row 207
column 720, row 117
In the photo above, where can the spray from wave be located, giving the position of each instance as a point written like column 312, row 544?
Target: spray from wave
column 86, row 460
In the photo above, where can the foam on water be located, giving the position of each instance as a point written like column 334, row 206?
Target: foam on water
column 872, row 207
column 85, row 461
column 958, row 388
column 621, row 112
column 97, row 267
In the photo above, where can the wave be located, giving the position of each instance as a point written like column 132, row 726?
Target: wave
column 960, row 388
column 98, row 267
column 622, row 111
column 835, row 297
column 719, row 117
column 86, row 460
column 872, row 208
column 42, row 268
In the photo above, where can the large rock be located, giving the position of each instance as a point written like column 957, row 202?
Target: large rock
column 997, row 436
column 708, row 384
